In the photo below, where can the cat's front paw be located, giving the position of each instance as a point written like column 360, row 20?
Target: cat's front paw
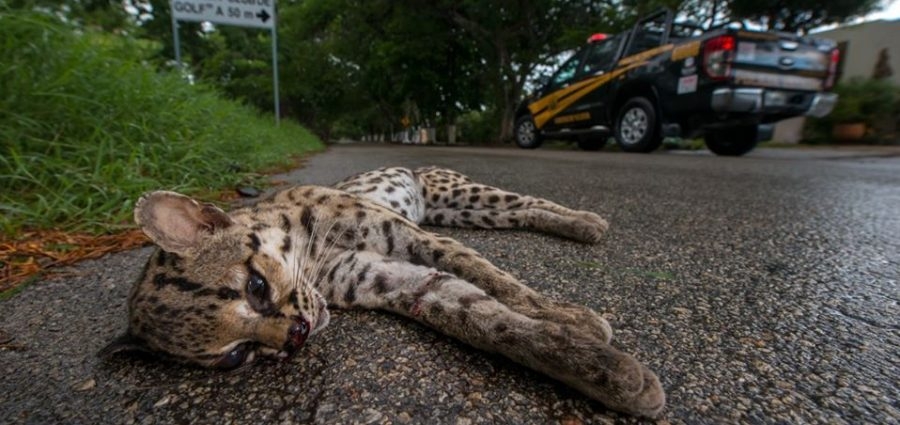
column 625, row 385
column 599, row 225
column 591, row 321
column 587, row 227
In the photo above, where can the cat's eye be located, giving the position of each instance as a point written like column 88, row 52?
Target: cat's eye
column 233, row 358
column 258, row 294
column 256, row 285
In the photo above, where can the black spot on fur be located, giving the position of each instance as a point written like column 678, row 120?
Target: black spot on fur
column 456, row 192
column 181, row 283
column 466, row 301
column 386, row 229
column 510, row 198
column 476, row 190
column 390, row 189
column 306, row 219
column 205, row 292
column 228, row 294
column 293, row 299
column 350, row 295
column 493, row 199
column 415, row 257
column 437, row 255
column 380, row 284
column 438, row 219
column 285, row 223
column 487, row 221
column 254, row 242
column 333, row 272
column 360, row 215
column 361, row 276
column 286, row 244
column 395, row 204
column 474, row 198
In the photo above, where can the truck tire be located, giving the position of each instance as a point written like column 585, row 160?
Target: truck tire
column 733, row 141
column 636, row 126
column 526, row 134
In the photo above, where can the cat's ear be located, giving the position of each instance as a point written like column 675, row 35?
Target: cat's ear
column 176, row 222
column 126, row 343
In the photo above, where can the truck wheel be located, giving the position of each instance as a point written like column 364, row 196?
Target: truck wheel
column 636, row 128
column 526, row 134
column 591, row 143
column 734, row 141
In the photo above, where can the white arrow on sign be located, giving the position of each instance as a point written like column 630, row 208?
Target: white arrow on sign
column 243, row 13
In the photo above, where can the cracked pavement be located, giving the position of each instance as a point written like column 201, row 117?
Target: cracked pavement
column 761, row 289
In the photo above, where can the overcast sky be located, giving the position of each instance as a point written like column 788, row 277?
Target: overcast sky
column 891, row 11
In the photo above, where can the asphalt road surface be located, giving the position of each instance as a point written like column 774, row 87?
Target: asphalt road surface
column 761, row 289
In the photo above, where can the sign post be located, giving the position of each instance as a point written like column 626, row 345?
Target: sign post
column 242, row 13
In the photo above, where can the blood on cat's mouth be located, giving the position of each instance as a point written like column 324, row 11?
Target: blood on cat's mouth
column 297, row 334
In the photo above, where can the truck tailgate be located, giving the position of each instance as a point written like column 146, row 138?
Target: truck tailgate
column 781, row 61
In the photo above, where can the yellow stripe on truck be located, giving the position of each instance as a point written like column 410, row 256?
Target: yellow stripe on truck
column 560, row 100
column 547, row 107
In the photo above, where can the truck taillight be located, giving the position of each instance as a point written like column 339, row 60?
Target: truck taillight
column 717, row 56
column 832, row 68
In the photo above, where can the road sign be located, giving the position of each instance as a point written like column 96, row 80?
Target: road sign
column 244, row 13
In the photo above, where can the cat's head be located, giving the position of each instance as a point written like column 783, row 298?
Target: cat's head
column 218, row 292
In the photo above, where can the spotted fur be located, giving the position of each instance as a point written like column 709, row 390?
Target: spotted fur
column 224, row 289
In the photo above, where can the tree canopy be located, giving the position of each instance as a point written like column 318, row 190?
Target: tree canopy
column 799, row 15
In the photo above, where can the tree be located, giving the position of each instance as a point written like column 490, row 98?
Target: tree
column 365, row 59
column 514, row 37
column 882, row 69
column 799, row 16
column 109, row 15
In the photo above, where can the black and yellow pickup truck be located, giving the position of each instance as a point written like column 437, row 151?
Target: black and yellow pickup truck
column 667, row 79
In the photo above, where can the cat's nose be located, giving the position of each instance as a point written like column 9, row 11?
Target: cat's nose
column 297, row 334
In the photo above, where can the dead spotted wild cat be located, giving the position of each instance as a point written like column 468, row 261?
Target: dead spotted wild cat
column 225, row 288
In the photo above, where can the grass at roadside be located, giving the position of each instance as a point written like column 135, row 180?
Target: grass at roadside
column 86, row 126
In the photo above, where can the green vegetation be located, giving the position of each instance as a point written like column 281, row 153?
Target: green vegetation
column 86, row 126
column 873, row 102
column 352, row 68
